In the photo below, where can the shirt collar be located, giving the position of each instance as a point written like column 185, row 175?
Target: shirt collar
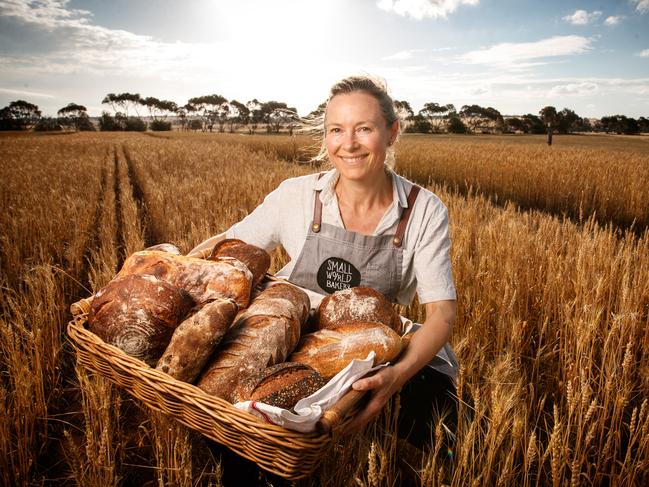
column 328, row 181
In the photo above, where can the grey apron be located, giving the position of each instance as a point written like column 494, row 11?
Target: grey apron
column 334, row 258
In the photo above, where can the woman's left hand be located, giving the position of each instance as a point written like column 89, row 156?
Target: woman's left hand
column 381, row 386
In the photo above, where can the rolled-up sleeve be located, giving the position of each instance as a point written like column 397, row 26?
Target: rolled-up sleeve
column 262, row 227
column 432, row 260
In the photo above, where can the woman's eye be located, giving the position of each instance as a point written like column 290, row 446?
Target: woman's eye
column 364, row 130
column 334, row 130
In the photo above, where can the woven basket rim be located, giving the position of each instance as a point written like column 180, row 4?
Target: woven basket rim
column 78, row 325
column 290, row 454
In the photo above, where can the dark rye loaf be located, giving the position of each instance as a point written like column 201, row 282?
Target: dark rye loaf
column 281, row 385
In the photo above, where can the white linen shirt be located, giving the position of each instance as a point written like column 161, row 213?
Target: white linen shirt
column 286, row 214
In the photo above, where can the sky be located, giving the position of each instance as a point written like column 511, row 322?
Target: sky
column 514, row 55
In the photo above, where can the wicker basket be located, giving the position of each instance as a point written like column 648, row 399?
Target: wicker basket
column 287, row 453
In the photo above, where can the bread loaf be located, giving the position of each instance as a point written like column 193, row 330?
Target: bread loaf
column 330, row 350
column 138, row 314
column 281, row 385
column 195, row 339
column 165, row 247
column 262, row 335
column 204, row 280
column 254, row 258
column 357, row 304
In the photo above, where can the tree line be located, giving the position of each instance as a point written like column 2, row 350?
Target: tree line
column 215, row 112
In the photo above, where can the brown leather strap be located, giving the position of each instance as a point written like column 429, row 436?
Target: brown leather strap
column 403, row 222
column 317, row 210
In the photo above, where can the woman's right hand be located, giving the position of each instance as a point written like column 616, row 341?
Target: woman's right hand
column 204, row 249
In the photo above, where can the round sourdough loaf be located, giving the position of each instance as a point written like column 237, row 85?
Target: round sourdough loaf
column 281, row 385
column 357, row 304
column 138, row 314
column 331, row 349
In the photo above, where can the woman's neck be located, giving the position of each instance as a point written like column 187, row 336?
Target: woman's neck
column 362, row 196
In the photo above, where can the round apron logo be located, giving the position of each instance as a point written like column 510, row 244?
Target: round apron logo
column 335, row 274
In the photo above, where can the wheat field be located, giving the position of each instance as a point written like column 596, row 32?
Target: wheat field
column 551, row 261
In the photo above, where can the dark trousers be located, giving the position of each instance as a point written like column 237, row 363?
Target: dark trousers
column 427, row 396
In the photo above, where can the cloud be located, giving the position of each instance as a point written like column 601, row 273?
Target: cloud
column 581, row 17
column 644, row 53
column 613, row 20
column 32, row 94
column 642, row 6
column 574, row 89
column 519, row 54
column 76, row 45
column 49, row 14
column 418, row 9
column 402, row 55
column 478, row 90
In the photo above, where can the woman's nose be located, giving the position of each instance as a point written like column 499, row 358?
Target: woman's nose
column 349, row 139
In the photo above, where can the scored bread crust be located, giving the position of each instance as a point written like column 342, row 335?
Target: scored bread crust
column 262, row 335
column 281, row 385
column 205, row 280
column 256, row 259
column 331, row 349
column 195, row 339
column 138, row 314
column 357, row 304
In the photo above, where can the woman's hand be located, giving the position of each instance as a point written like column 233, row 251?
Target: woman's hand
column 423, row 346
column 203, row 249
column 381, row 386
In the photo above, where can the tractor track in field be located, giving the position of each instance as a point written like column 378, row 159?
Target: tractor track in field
column 150, row 236
column 120, row 240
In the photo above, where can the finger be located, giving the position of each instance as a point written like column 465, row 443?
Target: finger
column 368, row 383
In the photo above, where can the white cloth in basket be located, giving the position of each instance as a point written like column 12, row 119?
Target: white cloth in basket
column 309, row 410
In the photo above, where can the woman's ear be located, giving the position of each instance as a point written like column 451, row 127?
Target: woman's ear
column 394, row 131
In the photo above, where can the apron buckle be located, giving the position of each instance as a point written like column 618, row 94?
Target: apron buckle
column 315, row 227
column 396, row 241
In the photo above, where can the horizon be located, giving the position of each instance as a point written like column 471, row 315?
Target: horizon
column 516, row 57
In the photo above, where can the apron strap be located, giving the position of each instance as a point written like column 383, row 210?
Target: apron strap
column 317, row 209
column 403, row 222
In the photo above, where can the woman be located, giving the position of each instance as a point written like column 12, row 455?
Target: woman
column 381, row 231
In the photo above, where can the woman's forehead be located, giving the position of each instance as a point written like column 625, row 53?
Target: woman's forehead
column 353, row 107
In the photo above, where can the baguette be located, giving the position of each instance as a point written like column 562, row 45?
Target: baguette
column 262, row 335
column 331, row 349
column 195, row 339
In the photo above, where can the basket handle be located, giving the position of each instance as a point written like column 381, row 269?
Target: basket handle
column 81, row 307
column 332, row 417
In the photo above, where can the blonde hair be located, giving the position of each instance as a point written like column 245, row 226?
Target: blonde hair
column 373, row 86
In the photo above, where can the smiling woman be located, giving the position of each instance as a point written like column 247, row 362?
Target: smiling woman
column 388, row 232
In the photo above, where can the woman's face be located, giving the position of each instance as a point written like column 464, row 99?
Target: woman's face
column 356, row 135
